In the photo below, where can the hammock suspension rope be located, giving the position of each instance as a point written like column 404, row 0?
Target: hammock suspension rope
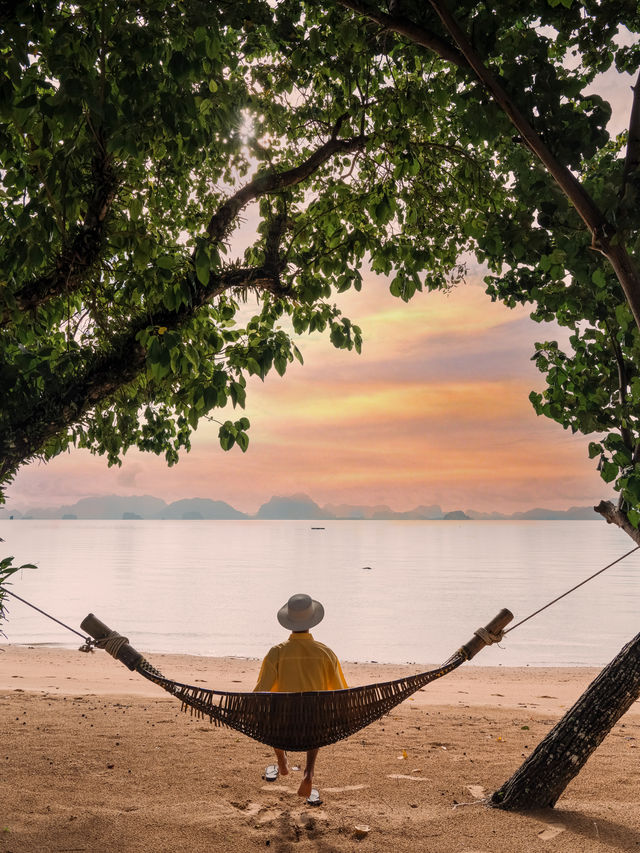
column 573, row 589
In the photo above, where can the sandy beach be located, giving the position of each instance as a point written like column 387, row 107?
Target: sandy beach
column 95, row 758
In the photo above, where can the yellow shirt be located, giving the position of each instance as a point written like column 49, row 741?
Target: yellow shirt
column 300, row 664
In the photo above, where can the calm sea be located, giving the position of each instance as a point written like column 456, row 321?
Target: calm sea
column 393, row 591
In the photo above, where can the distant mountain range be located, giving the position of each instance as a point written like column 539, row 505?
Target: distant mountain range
column 291, row 507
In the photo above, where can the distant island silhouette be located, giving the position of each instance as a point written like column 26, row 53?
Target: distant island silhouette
column 279, row 507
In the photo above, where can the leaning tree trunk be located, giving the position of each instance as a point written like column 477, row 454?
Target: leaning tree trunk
column 561, row 755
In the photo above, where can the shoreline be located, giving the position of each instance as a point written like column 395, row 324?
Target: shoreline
column 45, row 669
column 96, row 757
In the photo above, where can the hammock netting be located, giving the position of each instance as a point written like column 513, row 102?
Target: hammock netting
column 298, row 721
column 293, row 721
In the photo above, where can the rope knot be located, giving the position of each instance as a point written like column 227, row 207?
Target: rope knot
column 489, row 637
column 112, row 643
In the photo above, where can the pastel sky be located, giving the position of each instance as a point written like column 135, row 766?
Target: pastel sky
column 434, row 410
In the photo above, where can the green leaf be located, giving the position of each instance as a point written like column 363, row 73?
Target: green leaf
column 594, row 449
column 634, row 517
column 27, row 103
column 202, row 266
column 253, row 367
column 609, row 471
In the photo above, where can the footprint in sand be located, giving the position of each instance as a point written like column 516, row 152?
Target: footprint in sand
column 551, row 831
column 250, row 809
column 268, row 816
column 257, row 811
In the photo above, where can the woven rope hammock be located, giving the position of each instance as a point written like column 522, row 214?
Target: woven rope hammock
column 293, row 721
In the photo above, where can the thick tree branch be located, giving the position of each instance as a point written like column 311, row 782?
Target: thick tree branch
column 613, row 515
column 272, row 256
column 632, row 160
column 81, row 254
column 563, row 176
column 405, row 27
column 604, row 236
column 272, row 182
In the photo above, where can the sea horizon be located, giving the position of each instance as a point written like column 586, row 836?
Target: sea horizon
column 295, row 507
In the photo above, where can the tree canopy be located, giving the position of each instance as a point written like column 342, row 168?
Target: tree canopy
column 133, row 138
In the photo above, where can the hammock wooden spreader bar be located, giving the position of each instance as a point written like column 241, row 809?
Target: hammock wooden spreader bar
column 293, row 721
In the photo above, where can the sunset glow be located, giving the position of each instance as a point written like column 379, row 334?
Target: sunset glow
column 435, row 410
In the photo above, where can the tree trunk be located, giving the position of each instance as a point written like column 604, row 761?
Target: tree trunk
column 564, row 751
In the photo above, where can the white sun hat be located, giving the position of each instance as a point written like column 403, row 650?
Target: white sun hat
column 300, row 613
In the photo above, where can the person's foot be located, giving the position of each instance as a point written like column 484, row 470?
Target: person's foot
column 305, row 786
column 283, row 764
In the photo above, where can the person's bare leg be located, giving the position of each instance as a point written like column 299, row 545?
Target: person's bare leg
column 283, row 763
column 305, row 786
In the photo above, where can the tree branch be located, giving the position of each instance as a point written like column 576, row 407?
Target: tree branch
column 69, row 402
column 632, row 160
column 613, row 515
column 272, row 181
column 84, row 251
column 404, row 27
column 573, row 189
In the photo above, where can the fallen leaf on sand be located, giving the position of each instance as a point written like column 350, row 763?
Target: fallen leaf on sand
column 551, row 831
column 476, row 791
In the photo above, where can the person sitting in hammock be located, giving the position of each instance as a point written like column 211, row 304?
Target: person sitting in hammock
column 300, row 664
